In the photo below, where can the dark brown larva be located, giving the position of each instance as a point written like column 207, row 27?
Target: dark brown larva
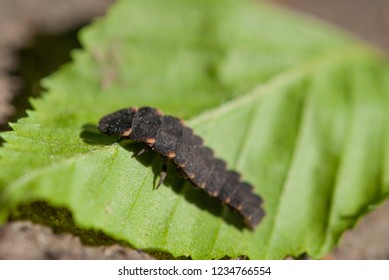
column 167, row 136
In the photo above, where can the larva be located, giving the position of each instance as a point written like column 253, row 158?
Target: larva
column 169, row 137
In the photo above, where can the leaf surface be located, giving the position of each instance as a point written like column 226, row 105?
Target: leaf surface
column 298, row 109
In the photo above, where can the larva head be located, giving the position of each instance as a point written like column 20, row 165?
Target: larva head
column 117, row 123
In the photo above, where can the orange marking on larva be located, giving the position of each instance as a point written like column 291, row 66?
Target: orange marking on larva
column 202, row 186
column 215, row 193
column 182, row 122
column 191, row 176
column 126, row 132
column 134, row 109
column 159, row 112
column 228, row 200
column 171, row 154
column 239, row 208
column 150, row 140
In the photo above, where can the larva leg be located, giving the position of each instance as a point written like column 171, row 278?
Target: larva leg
column 163, row 174
column 121, row 139
column 141, row 152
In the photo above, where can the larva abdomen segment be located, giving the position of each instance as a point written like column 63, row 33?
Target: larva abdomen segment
column 167, row 136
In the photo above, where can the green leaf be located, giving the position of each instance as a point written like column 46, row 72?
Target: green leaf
column 298, row 109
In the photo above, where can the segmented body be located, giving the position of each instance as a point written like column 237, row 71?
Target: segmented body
column 169, row 137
